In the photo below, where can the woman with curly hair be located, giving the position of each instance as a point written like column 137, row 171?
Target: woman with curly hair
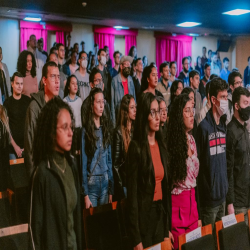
column 149, row 194
column 121, row 139
column 55, row 213
column 97, row 176
column 26, row 65
column 183, row 165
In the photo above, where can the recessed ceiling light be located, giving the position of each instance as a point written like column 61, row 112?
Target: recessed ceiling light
column 121, row 28
column 188, row 24
column 33, row 19
column 236, row 12
column 193, row 34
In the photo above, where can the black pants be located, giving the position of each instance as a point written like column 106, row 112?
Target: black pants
column 155, row 231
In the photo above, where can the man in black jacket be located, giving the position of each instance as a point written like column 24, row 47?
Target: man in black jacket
column 238, row 155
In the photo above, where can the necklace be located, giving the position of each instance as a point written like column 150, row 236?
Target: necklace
column 63, row 170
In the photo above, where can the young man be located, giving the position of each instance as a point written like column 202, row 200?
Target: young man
column 51, row 82
column 83, row 45
column 225, row 72
column 61, row 57
column 121, row 85
column 16, row 106
column 76, row 48
column 40, row 47
column 204, row 80
column 238, row 150
column 115, row 69
column 108, row 59
column 211, row 148
column 163, row 86
column 194, row 79
column 184, row 73
column 83, row 76
column 105, row 74
column 204, row 57
column 190, row 63
column 209, row 53
column 247, row 73
column 173, row 70
column 215, row 69
column 68, row 49
column 138, row 75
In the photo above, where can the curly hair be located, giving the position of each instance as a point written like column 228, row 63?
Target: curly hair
column 174, row 88
column 123, row 118
column 66, row 89
column 22, row 63
column 45, row 135
column 177, row 140
column 89, row 125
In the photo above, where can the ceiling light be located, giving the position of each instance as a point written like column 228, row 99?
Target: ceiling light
column 193, row 34
column 236, row 12
column 188, row 24
column 121, row 28
column 33, row 19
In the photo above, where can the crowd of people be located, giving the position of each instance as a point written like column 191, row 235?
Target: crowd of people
column 176, row 148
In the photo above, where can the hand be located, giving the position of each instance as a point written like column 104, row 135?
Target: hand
column 230, row 209
column 171, row 237
column 199, row 223
column 138, row 247
column 18, row 151
column 87, row 201
column 110, row 198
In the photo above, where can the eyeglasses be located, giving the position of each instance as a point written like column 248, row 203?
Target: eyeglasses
column 66, row 129
column 154, row 112
column 133, row 107
column 189, row 111
column 162, row 111
column 84, row 58
column 98, row 81
column 239, row 83
column 55, row 77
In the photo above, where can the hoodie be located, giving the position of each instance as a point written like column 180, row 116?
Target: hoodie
column 33, row 111
column 211, row 147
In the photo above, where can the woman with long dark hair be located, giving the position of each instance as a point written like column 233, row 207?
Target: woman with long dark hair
column 163, row 115
column 121, row 139
column 149, row 80
column 55, row 213
column 26, row 65
column 148, row 197
column 183, row 166
column 97, row 176
column 133, row 52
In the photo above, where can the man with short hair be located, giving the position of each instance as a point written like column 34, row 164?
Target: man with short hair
column 6, row 74
column 184, row 73
column 39, row 57
column 219, row 60
column 247, row 73
column 138, row 75
column 194, row 79
column 61, row 57
column 163, row 86
column 214, row 66
column 190, row 63
column 238, row 159
column 173, row 70
column 121, row 85
column 76, row 48
column 40, row 47
column 16, row 106
column 105, row 74
column 68, row 49
column 83, row 45
column 211, row 147
column 108, row 59
column 225, row 72
column 83, row 76
column 51, row 82
column 204, row 80
column 115, row 69
column 235, row 81
column 204, row 57
column 209, row 53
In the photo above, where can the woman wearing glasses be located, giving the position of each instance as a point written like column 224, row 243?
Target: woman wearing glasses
column 121, row 139
column 184, row 171
column 55, row 213
column 97, row 176
column 148, row 190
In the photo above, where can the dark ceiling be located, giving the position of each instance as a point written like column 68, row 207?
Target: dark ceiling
column 158, row 14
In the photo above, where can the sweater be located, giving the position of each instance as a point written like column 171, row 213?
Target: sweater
column 30, row 84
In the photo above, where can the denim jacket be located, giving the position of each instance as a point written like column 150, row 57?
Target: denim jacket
column 117, row 93
column 104, row 164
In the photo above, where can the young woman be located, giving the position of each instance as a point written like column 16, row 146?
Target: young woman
column 26, row 65
column 121, row 139
column 175, row 90
column 55, row 213
column 149, row 80
column 97, row 176
column 148, row 197
column 133, row 52
column 183, row 173
column 5, row 138
column 199, row 66
column 163, row 115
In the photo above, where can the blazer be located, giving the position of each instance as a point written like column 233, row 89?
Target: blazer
column 140, row 194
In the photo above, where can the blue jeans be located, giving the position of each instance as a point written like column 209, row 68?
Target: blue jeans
column 12, row 156
column 98, row 189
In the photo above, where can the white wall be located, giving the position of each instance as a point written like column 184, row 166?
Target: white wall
column 119, row 44
column 9, row 41
column 146, row 45
column 209, row 43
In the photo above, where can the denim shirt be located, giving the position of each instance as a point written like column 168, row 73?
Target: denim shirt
column 104, row 164
column 117, row 93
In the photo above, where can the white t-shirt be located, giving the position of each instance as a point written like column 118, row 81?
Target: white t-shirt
column 83, row 84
